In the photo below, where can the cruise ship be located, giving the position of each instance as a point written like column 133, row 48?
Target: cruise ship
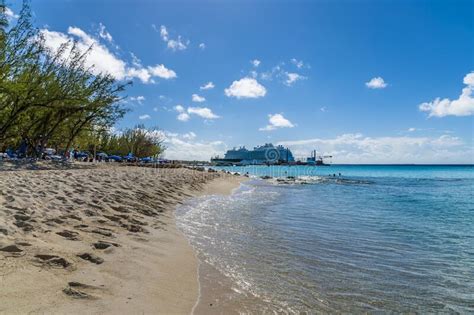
column 265, row 154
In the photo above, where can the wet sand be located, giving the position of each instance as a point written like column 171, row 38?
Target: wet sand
column 99, row 240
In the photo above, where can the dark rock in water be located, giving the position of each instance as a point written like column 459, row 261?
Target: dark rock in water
column 291, row 177
column 11, row 249
column 266, row 177
column 4, row 231
column 211, row 170
column 92, row 258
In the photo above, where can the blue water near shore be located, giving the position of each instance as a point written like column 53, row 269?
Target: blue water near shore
column 376, row 238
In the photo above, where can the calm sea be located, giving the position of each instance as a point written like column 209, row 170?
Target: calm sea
column 374, row 238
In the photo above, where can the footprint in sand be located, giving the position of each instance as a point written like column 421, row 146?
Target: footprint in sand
column 92, row 258
column 77, row 290
column 53, row 261
column 70, row 235
column 11, row 249
column 104, row 245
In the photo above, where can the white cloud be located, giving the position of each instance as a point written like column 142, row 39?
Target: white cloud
column 186, row 146
column 139, row 99
column 202, row 46
column 189, row 135
column 101, row 60
column 104, row 34
column 323, row 109
column 356, row 148
column 411, row 129
column 198, row 99
column 207, row 86
column 143, row 117
column 463, row 106
column 10, row 14
column 163, row 33
column 298, row 63
column 277, row 121
column 376, row 83
column 292, row 78
column 173, row 44
column 185, row 114
column 182, row 116
column 162, row 72
column 246, row 88
column 275, row 71
column 203, row 112
column 255, row 62
column 179, row 108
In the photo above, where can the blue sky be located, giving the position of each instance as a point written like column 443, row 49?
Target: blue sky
column 355, row 79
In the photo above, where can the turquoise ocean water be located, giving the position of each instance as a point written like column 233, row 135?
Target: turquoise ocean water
column 375, row 238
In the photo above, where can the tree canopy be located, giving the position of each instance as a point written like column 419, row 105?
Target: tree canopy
column 50, row 98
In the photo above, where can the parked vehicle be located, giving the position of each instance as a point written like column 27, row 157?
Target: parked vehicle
column 114, row 158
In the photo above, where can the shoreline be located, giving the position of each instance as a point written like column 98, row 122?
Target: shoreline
column 147, row 266
column 218, row 294
column 222, row 186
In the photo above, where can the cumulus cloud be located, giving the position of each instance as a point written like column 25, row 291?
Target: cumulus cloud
column 255, row 62
column 162, row 72
column 101, row 60
column 198, row 99
column 246, row 88
column 188, row 146
column 144, row 117
column 462, row 106
column 202, row 46
column 185, row 114
column 276, row 121
column 173, row 44
column 203, row 112
column 357, row 148
column 376, row 83
column 208, row 86
column 292, row 78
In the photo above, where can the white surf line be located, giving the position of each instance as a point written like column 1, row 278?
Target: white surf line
column 199, row 284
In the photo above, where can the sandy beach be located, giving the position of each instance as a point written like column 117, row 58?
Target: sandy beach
column 99, row 240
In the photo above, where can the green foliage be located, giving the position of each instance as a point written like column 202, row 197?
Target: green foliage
column 138, row 141
column 52, row 99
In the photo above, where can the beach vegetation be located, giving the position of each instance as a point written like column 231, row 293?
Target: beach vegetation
column 52, row 99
